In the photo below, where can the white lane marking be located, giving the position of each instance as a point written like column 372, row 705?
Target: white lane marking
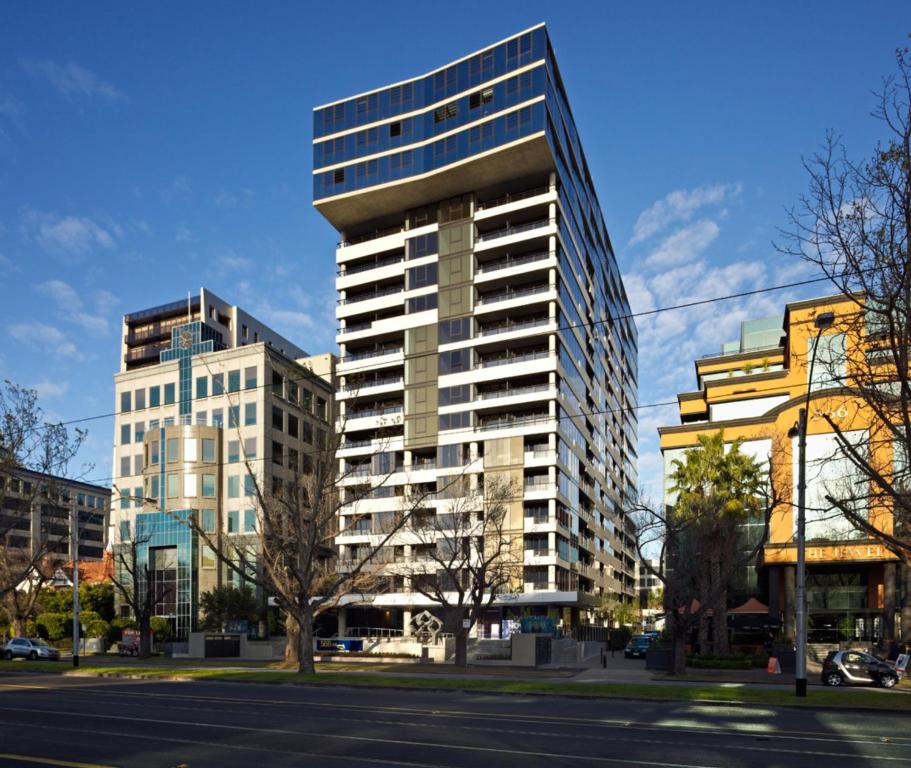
column 692, row 727
column 433, row 745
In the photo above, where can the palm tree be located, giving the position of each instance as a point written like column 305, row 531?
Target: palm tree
column 718, row 489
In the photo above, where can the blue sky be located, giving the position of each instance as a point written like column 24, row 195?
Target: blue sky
column 149, row 149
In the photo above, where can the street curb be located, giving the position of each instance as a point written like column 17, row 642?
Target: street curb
column 178, row 678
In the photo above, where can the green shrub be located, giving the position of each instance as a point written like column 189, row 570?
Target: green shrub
column 162, row 628
column 52, row 626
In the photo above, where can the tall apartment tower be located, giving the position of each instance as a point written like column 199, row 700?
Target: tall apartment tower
column 483, row 323
column 203, row 388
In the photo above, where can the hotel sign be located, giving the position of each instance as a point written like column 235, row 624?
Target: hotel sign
column 829, row 553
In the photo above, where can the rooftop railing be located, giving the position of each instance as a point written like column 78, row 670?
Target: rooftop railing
column 513, row 197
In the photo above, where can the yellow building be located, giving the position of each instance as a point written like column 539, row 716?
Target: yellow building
column 753, row 390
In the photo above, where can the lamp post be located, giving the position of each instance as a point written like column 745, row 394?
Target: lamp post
column 74, row 556
column 823, row 321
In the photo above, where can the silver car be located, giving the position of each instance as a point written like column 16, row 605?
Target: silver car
column 30, row 648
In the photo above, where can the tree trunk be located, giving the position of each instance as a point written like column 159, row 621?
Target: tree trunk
column 678, row 665
column 705, row 584
column 306, row 663
column 292, row 642
column 17, row 625
column 145, row 637
column 719, row 608
column 461, row 646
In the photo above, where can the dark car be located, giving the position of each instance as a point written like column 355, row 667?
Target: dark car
column 30, row 648
column 637, row 646
column 857, row 668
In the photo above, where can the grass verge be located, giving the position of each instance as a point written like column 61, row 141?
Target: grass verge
column 851, row 699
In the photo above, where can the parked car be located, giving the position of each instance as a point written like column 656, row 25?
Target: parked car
column 30, row 648
column 857, row 668
column 652, row 634
column 637, row 646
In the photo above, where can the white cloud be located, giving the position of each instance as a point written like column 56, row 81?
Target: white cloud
column 68, row 234
column 71, row 80
column 680, row 206
column 45, row 337
column 72, row 308
column 230, row 200
column 684, row 245
column 179, row 188
column 50, row 389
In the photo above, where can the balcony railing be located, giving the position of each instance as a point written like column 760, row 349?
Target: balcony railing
column 376, row 294
column 513, row 197
column 366, row 412
column 509, row 358
column 371, row 353
column 512, row 391
column 510, row 293
column 377, row 233
column 358, row 268
column 514, row 230
column 507, row 327
column 378, row 382
column 512, row 261
column 505, row 422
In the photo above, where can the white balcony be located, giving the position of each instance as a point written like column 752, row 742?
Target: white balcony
column 514, row 235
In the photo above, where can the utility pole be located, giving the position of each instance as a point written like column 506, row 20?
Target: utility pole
column 74, row 556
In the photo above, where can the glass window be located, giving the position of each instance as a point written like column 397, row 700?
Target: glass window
column 137, row 498
column 154, row 397
column 455, row 361
column 173, row 449
column 421, row 303
column 207, row 520
column 208, row 486
column 293, row 391
column 293, row 425
column 168, row 394
column 250, row 448
column 202, row 386
column 80, row 499
column 189, row 449
column 234, row 381
column 202, row 418
column 249, row 486
column 137, row 463
column 249, row 520
column 233, row 451
column 124, row 530
column 173, row 485
column 277, row 453
column 139, row 431
column 125, row 466
column 124, row 434
column 207, row 557
column 153, row 452
column 421, row 277
column 321, row 409
column 234, row 487
column 307, row 401
column 218, row 419
column 153, row 486
column 250, row 377
column 126, row 399
column 139, row 399
column 233, row 521
column 450, row 455
column 830, row 366
column 307, row 433
column 208, row 449
column 454, row 330
column 218, row 383
column 278, row 418
column 124, row 501
column 250, row 414
column 189, row 485
column 234, row 416
column 455, row 395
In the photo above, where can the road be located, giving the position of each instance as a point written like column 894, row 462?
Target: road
column 90, row 722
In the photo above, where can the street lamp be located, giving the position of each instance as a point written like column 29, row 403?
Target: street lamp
column 823, row 321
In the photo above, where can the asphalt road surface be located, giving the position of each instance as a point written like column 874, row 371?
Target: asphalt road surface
column 85, row 722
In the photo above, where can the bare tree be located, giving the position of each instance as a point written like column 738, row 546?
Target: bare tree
column 134, row 581
column 22, row 603
column 293, row 554
column 853, row 224
column 465, row 554
column 30, row 506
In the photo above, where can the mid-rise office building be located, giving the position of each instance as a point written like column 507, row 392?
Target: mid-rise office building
column 753, row 390
column 39, row 510
column 204, row 390
column 484, row 328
